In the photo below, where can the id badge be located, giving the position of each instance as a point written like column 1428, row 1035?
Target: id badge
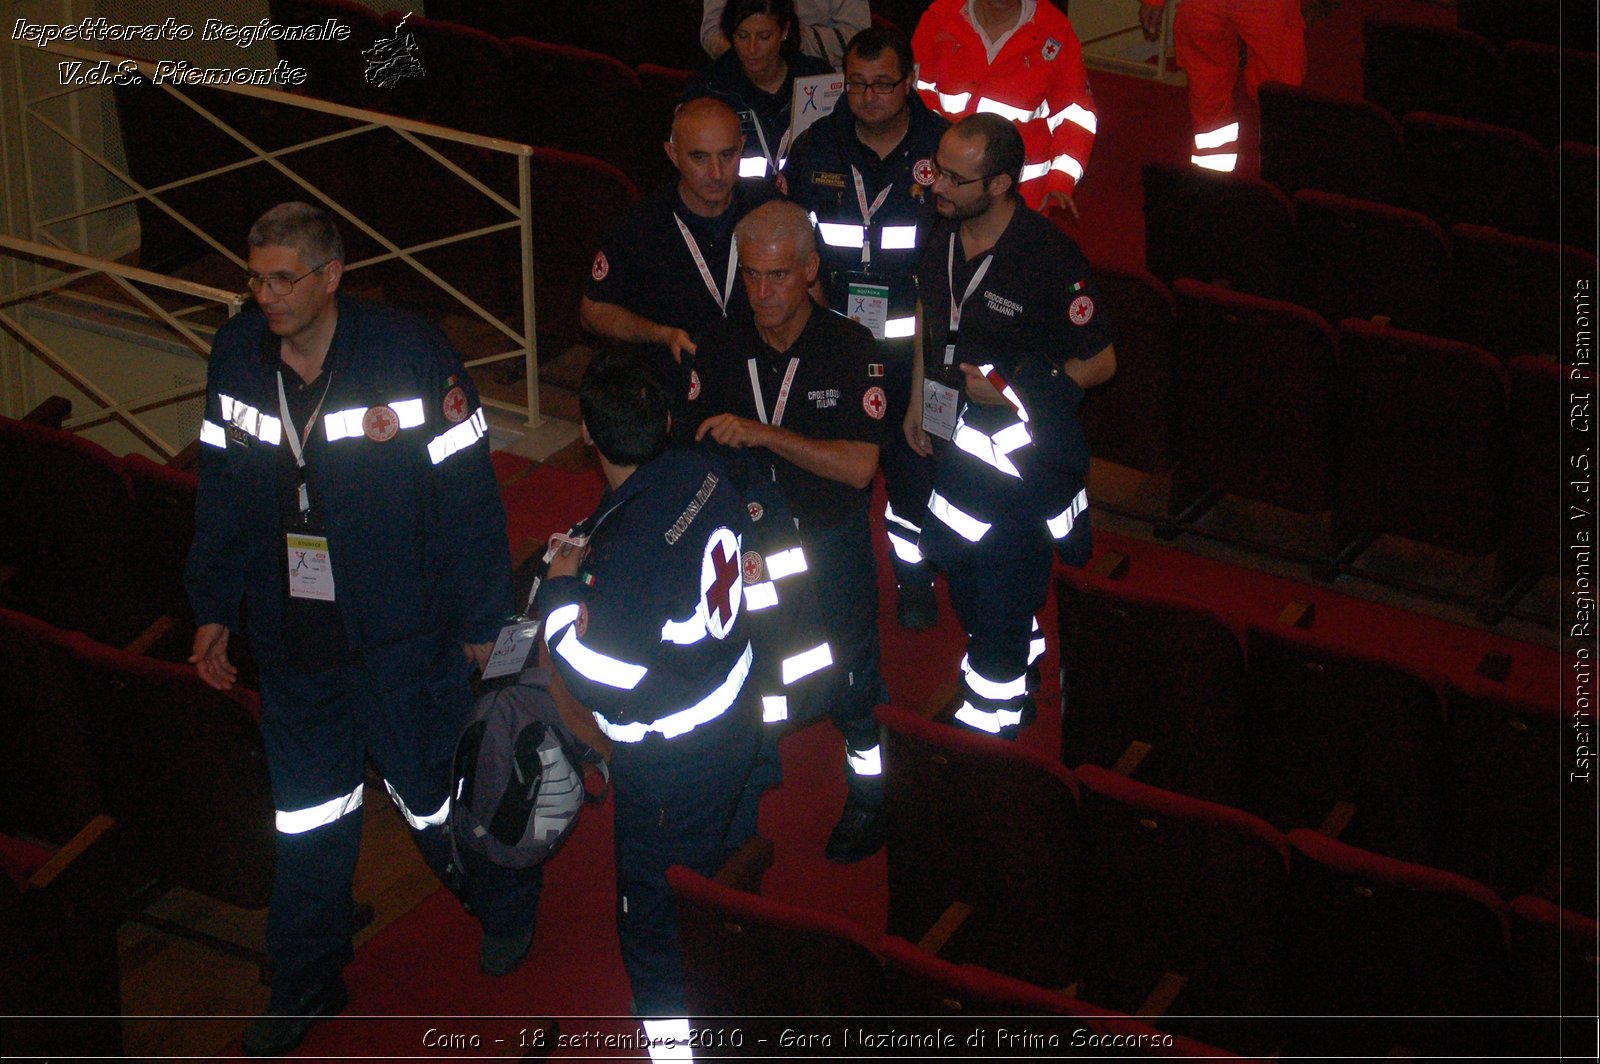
column 869, row 305
column 511, row 649
column 310, row 567
column 939, row 409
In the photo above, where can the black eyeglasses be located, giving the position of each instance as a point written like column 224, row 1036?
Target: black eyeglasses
column 941, row 174
column 277, row 283
column 881, row 88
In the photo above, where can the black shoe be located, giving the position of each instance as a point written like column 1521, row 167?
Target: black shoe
column 272, row 1034
column 501, row 954
column 858, row 835
column 917, row 609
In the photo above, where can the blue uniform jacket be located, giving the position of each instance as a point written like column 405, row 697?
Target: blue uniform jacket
column 402, row 482
column 652, row 635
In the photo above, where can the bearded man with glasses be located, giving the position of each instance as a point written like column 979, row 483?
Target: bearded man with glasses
column 863, row 173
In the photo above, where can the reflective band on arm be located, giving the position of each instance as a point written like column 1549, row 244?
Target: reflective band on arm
column 459, row 437
column 803, row 664
column 685, row 633
column 904, row 549
column 1034, row 171
column 786, row 563
column 760, row 596
column 1067, row 164
column 263, row 427
column 774, row 709
column 1061, row 524
column 410, row 412
column 212, row 434
column 559, row 618
column 418, row 823
column 1075, row 113
column 895, row 519
column 299, row 821
column 968, row 526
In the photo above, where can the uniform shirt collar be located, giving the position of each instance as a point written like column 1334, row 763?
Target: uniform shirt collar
column 993, row 47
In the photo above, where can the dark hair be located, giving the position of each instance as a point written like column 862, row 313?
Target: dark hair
column 782, row 11
column 871, row 42
column 624, row 407
column 1002, row 144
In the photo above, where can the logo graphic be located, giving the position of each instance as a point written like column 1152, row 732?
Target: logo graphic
column 694, row 385
column 757, row 511
column 754, row 567
column 874, row 403
column 1081, row 310
column 1051, row 49
column 455, row 405
column 601, row 267
column 380, row 424
column 391, row 59
column 720, row 588
column 922, row 172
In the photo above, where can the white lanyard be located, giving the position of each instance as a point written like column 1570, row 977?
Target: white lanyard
column 774, row 162
column 955, row 308
column 783, row 392
column 298, row 439
column 867, row 213
column 705, row 271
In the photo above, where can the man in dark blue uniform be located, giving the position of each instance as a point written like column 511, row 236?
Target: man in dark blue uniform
column 794, row 383
column 1012, row 335
column 668, row 270
column 647, row 626
column 863, row 172
column 346, row 496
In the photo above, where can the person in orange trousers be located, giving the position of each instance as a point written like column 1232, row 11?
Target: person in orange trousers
column 1208, row 35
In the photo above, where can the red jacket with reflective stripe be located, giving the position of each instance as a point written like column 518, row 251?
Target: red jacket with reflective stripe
column 1038, row 80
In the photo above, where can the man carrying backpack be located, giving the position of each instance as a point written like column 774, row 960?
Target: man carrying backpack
column 646, row 624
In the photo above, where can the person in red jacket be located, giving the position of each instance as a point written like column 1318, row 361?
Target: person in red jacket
column 1208, row 34
column 1021, row 60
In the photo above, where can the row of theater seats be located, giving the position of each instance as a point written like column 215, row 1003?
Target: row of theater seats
column 1544, row 21
column 1392, row 432
column 1346, row 257
column 1451, row 169
column 1451, row 772
column 1536, row 88
column 1191, row 915
column 120, row 777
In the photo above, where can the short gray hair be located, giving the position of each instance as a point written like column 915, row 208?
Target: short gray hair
column 778, row 222
column 306, row 228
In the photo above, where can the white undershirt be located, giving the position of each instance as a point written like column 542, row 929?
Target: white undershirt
column 1024, row 16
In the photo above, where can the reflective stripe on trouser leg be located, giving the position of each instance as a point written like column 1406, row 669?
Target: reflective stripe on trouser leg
column 907, row 480
column 989, row 703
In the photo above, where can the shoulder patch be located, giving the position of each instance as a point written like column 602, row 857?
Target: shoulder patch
column 1081, row 310
column 455, row 405
column 601, row 267
column 922, row 172
column 875, row 403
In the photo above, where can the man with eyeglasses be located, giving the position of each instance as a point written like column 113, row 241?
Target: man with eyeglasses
column 348, row 519
column 863, row 172
column 1011, row 335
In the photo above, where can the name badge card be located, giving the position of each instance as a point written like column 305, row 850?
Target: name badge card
column 310, row 567
column 511, row 649
column 869, row 305
column 939, row 409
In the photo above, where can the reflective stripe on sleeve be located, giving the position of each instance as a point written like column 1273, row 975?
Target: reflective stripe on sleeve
column 458, row 437
column 1075, row 113
column 762, row 596
column 593, row 665
column 904, row 549
column 673, row 725
column 687, row 632
column 799, row 666
column 786, row 563
column 299, row 821
column 774, row 709
column 263, row 427
column 1034, row 171
column 962, row 522
column 213, row 434
column 1068, row 165
column 1061, row 524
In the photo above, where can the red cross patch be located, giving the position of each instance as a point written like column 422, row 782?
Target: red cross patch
column 754, row 567
column 694, row 385
column 601, row 267
column 922, row 172
column 455, row 405
column 1081, row 310
column 757, row 511
column 720, row 587
column 380, row 424
column 1051, row 49
column 874, row 403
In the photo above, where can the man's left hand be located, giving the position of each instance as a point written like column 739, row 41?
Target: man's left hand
column 1058, row 199
column 979, row 390
column 731, row 430
column 567, row 562
column 478, row 653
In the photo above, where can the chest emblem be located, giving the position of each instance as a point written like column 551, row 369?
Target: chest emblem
column 827, row 179
column 874, row 403
column 380, row 424
column 455, row 405
column 694, row 385
column 756, row 510
column 922, row 172
column 754, row 567
column 1081, row 310
column 1051, row 49
column 601, row 267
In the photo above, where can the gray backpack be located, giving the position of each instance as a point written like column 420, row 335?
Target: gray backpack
column 518, row 774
